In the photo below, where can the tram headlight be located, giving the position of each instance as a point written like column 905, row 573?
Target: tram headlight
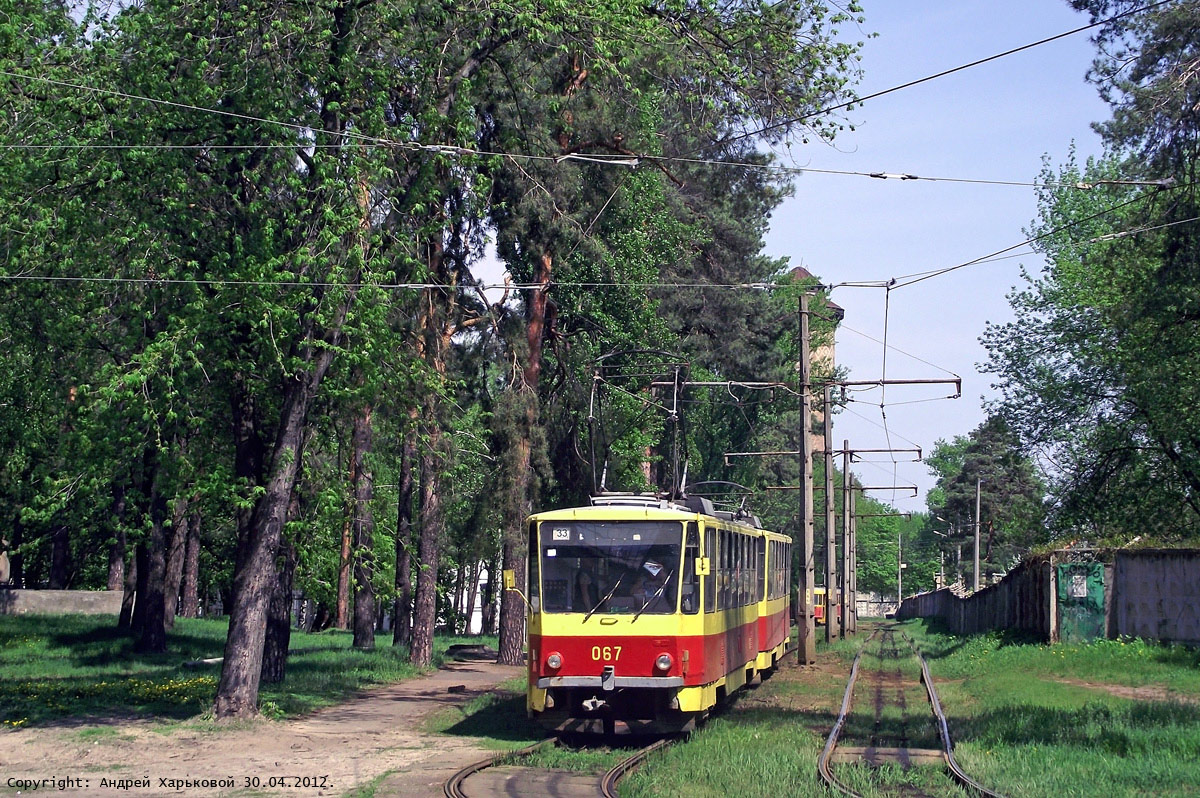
column 664, row 661
column 554, row 660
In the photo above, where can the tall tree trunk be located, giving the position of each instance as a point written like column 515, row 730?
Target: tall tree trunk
column 190, row 592
column 521, row 481
column 116, row 561
column 364, row 533
column 494, row 581
column 512, row 608
column 402, row 627
column 279, row 618
column 429, row 547
column 16, row 561
column 469, row 607
column 437, row 330
column 254, row 575
column 342, row 615
column 176, row 549
column 141, row 575
column 249, row 456
column 130, row 584
column 457, row 601
column 152, row 632
column 116, row 550
column 60, row 557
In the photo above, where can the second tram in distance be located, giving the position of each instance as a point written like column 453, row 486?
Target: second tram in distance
column 646, row 612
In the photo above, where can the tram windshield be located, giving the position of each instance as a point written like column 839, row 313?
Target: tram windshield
column 610, row 566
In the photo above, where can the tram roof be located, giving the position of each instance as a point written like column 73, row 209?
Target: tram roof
column 649, row 509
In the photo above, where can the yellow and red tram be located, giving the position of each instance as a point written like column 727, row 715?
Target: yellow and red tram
column 647, row 612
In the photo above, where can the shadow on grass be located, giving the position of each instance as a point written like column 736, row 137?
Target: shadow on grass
column 82, row 669
column 74, row 700
column 946, row 643
column 499, row 716
column 1138, row 729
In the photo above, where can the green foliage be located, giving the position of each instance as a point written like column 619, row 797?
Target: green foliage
column 989, row 460
column 220, row 207
column 1099, row 371
column 878, row 539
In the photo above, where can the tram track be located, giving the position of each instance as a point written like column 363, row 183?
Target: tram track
column 892, row 726
column 501, row 775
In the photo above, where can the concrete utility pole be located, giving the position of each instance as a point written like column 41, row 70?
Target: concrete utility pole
column 806, row 647
column 852, row 599
column 978, row 483
column 806, row 651
column 846, row 592
column 941, row 580
column 832, row 621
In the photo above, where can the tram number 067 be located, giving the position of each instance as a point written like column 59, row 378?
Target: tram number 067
column 606, row 653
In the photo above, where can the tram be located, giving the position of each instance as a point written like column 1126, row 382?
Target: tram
column 645, row 613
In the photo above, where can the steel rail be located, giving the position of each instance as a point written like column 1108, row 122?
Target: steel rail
column 608, row 785
column 453, row 785
column 956, row 772
column 831, row 743
column 944, row 730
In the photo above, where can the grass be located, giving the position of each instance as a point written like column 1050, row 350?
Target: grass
column 764, row 742
column 739, row 753
column 1028, row 719
column 1111, row 718
column 54, row 668
column 496, row 720
column 1068, row 720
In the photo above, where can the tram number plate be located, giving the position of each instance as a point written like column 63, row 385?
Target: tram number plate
column 562, row 534
column 606, row 653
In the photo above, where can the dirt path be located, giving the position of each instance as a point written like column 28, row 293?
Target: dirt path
column 328, row 753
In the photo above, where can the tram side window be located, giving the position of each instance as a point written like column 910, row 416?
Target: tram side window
column 736, row 568
column 760, row 564
column 690, row 601
column 723, row 547
column 743, row 569
column 772, row 565
column 731, row 540
column 748, row 577
column 773, row 562
column 781, row 565
column 735, row 576
column 747, row 570
column 710, row 581
column 740, row 569
column 786, row 564
column 723, row 570
column 535, row 578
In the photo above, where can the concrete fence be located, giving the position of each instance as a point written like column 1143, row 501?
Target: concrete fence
column 1151, row 594
column 1156, row 595
column 60, row 602
column 1023, row 599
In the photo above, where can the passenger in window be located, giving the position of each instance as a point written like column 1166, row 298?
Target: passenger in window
column 587, row 592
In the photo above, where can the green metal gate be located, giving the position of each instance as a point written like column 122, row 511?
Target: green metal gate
column 1080, row 601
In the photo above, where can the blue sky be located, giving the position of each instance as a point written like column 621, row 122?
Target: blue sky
column 992, row 122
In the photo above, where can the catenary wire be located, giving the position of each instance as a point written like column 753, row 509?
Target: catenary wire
column 896, row 282
column 906, row 280
column 381, row 141
column 849, row 104
column 896, row 349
